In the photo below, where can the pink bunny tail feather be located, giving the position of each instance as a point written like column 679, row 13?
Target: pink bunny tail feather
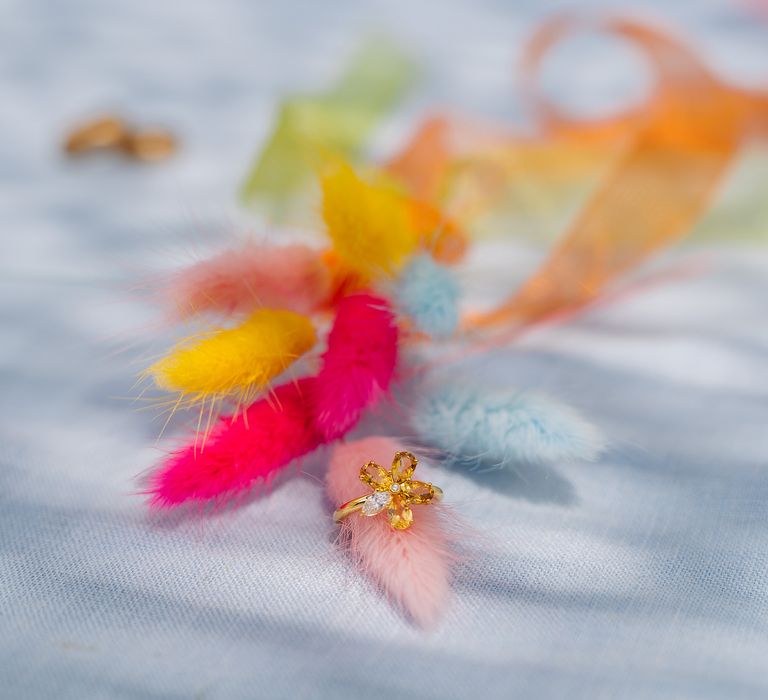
column 252, row 276
column 413, row 566
column 240, row 451
column 358, row 365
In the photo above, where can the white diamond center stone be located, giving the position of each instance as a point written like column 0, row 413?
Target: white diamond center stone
column 376, row 502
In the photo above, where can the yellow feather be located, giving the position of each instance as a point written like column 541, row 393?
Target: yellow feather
column 239, row 361
column 370, row 224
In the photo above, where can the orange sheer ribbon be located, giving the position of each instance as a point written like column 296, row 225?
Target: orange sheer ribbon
column 666, row 159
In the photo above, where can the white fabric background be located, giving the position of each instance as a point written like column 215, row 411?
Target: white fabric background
column 641, row 576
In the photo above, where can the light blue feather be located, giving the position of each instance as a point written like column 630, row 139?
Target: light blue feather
column 495, row 428
column 428, row 293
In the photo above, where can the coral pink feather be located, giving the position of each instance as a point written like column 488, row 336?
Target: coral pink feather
column 240, row 451
column 413, row 566
column 358, row 365
column 252, row 276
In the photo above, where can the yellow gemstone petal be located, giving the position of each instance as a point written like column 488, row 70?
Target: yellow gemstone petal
column 403, row 466
column 419, row 492
column 399, row 514
column 378, row 478
column 402, row 520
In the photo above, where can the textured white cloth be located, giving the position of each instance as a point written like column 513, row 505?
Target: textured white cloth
column 641, row 576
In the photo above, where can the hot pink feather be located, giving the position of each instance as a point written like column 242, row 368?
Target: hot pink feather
column 240, row 451
column 251, row 276
column 413, row 566
column 358, row 365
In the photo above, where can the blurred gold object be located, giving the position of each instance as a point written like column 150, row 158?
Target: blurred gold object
column 110, row 132
column 149, row 144
column 101, row 133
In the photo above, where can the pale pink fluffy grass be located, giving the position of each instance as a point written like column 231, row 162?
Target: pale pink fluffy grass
column 252, row 276
column 412, row 566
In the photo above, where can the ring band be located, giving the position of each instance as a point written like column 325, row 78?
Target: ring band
column 393, row 490
column 357, row 503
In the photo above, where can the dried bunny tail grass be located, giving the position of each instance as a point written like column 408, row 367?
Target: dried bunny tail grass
column 358, row 365
column 240, row 451
column 482, row 427
column 237, row 362
column 428, row 294
column 413, row 566
column 251, row 276
column 254, row 445
column 370, row 224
